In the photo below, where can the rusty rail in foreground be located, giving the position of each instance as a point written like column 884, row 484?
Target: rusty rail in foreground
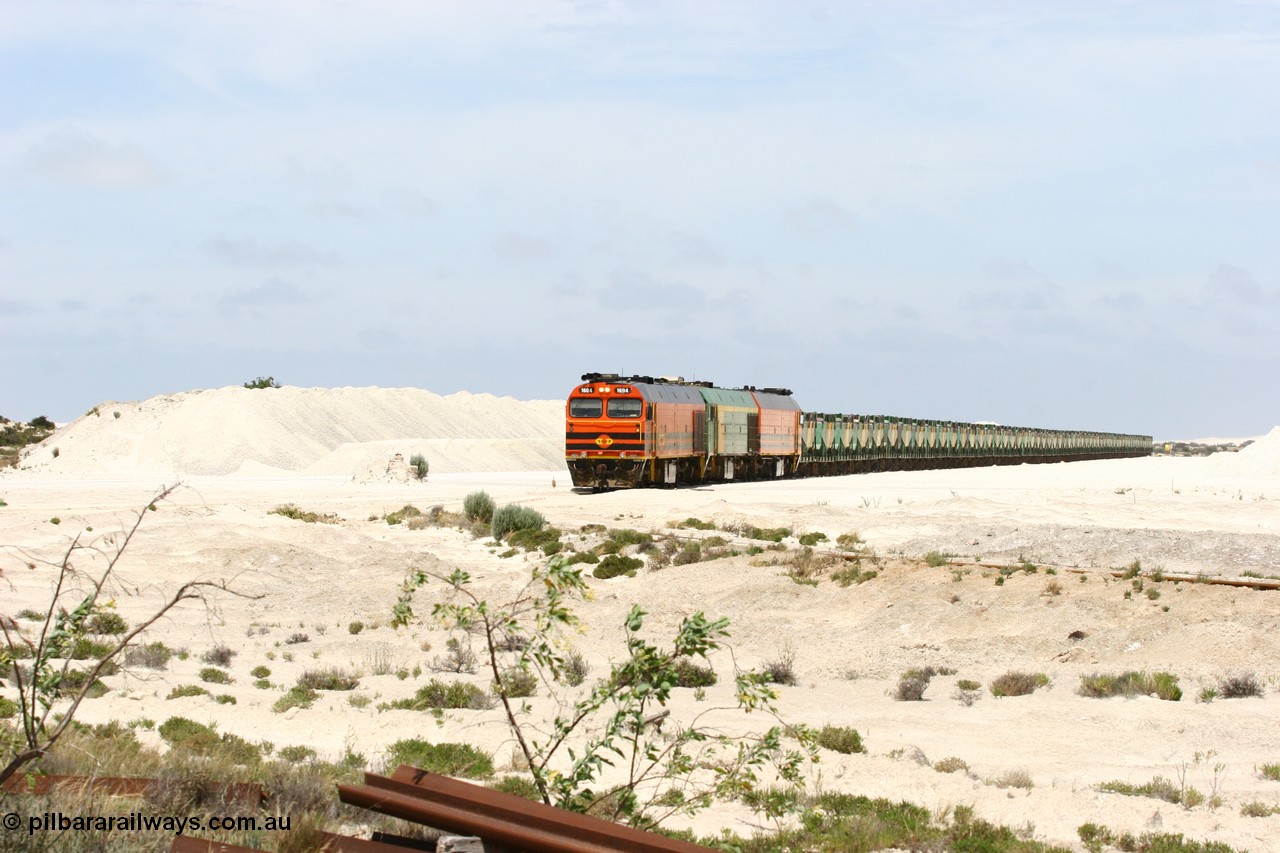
column 242, row 793
column 467, row 809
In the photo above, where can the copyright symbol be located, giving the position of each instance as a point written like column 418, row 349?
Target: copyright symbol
column 12, row 821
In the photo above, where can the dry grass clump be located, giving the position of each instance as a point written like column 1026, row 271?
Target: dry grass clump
column 951, row 764
column 1158, row 788
column 782, row 670
column 1013, row 779
column 1163, row 685
column 1014, row 683
column 331, row 678
column 298, row 514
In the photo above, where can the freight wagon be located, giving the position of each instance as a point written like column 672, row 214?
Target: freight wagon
column 643, row 431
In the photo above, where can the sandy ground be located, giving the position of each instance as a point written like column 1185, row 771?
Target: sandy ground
column 1216, row 516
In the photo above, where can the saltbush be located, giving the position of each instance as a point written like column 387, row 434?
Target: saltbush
column 513, row 517
column 448, row 759
column 478, row 506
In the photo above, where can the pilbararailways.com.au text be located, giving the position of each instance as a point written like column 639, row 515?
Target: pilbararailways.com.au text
column 139, row 822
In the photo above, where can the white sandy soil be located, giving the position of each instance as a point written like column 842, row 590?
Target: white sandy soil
column 240, row 453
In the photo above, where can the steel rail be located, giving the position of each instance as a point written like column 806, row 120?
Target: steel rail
column 467, row 809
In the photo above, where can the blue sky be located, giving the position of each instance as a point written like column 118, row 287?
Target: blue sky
column 1054, row 214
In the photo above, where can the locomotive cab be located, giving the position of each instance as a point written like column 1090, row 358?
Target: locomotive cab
column 605, row 433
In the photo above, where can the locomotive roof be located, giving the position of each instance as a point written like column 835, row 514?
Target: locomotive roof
column 664, row 393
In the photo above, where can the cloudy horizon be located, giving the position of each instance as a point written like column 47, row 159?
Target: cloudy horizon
column 1050, row 214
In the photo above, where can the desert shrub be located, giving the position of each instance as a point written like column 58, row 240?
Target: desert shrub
column 967, row 692
column 219, row 655
column 225, row 699
column 765, row 534
column 1014, row 683
column 408, row 511
column 449, row 759
column 184, row 690
column 355, row 627
column 518, row 683
column 458, row 658
column 295, row 697
column 331, row 678
column 297, row 754
column 853, row 575
column 182, row 733
column 911, row 687
column 575, row 668
column 1255, row 808
column 8, row 708
column 513, row 517
column 299, row 514
column 213, row 675
column 296, row 638
column 1099, row 686
column 936, row 559
column 842, row 739
column 1239, row 687
column 690, row 552
column 811, row 539
column 519, row 786
column 260, row 671
column 418, row 463
column 849, row 541
column 261, row 382
column 689, row 673
column 584, row 557
column 533, row 538
column 696, row 524
column 478, row 506
column 440, row 694
column 107, row 622
column 86, row 649
column 951, row 765
column 781, row 670
column 616, row 564
column 152, row 656
column 619, row 539
column 1271, row 771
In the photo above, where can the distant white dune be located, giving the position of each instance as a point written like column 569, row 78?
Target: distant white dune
column 354, row 432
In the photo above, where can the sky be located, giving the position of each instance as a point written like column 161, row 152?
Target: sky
column 1051, row 214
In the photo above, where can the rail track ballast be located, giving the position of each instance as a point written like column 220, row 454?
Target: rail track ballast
column 630, row 431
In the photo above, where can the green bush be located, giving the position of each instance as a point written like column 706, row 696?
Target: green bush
column 107, row 622
column 478, row 506
column 616, row 564
column 213, row 675
column 513, row 517
column 533, row 538
column 185, row 690
column 691, row 674
column 153, row 656
column 519, row 786
column 519, row 683
column 295, row 697
column 8, row 708
column 355, row 627
column 842, row 739
column 935, row 559
column 180, row 732
column 296, row 754
column 1271, row 771
column 262, row 382
column 448, row 759
column 86, row 649
column 405, row 512
column 811, row 539
column 260, row 671
column 440, row 694
column 418, row 463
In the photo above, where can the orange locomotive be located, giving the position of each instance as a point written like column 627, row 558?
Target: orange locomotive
column 640, row 431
